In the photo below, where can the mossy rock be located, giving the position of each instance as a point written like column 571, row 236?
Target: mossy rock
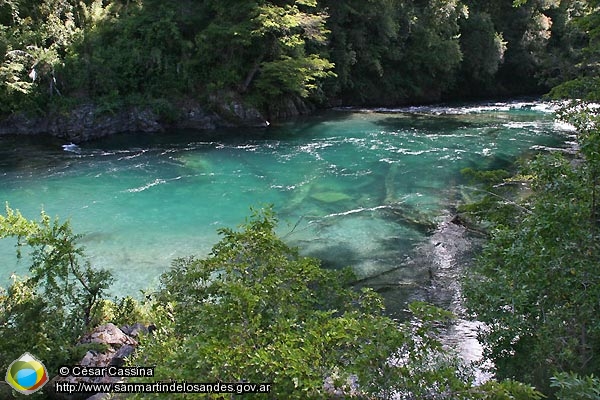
column 330, row 197
column 197, row 163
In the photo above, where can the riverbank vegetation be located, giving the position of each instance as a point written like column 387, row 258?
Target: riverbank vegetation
column 535, row 284
column 275, row 313
column 256, row 311
column 252, row 311
column 56, row 54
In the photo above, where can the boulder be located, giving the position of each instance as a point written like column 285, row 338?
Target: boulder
column 119, row 345
column 134, row 330
column 289, row 107
column 108, row 334
column 234, row 111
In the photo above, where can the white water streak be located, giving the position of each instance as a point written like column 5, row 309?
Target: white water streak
column 156, row 182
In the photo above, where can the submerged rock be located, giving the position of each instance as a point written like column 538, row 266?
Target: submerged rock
column 196, row 162
column 411, row 216
column 330, row 197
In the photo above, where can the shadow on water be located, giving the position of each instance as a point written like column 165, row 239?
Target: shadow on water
column 304, row 127
column 432, row 272
column 29, row 154
column 428, row 124
column 331, row 256
column 176, row 138
column 495, row 162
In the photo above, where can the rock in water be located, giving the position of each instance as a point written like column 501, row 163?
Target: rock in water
column 330, row 197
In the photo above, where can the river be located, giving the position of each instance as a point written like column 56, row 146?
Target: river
column 371, row 189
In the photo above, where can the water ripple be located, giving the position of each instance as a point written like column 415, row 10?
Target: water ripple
column 156, row 182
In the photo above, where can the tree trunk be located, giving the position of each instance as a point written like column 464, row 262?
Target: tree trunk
column 252, row 73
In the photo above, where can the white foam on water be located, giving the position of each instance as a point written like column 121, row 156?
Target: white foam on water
column 147, row 186
column 536, row 106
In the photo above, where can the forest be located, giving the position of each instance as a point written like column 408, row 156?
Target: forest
column 254, row 309
column 162, row 55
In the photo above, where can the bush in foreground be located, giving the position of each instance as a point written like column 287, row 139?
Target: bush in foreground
column 255, row 311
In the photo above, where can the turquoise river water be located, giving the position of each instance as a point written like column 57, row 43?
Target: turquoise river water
column 359, row 188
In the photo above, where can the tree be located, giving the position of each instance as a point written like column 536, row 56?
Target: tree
column 580, row 79
column 35, row 38
column 388, row 51
column 46, row 312
column 255, row 311
column 433, row 53
column 571, row 63
column 535, row 285
column 483, row 52
column 363, row 34
column 573, row 387
column 130, row 52
column 523, row 32
column 257, row 51
column 272, row 48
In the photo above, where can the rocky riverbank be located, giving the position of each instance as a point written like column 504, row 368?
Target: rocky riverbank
column 90, row 121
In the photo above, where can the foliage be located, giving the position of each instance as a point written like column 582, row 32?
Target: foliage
column 256, row 311
column 483, row 52
column 573, row 387
column 571, row 63
column 390, row 51
column 488, row 177
column 46, row 312
column 146, row 55
column 520, row 36
column 120, row 311
column 384, row 52
column 286, row 68
column 34, row 37
column 579, row 78
column 163, row 49
column 535, row 285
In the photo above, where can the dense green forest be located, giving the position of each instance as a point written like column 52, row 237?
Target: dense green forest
column 58, row 53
